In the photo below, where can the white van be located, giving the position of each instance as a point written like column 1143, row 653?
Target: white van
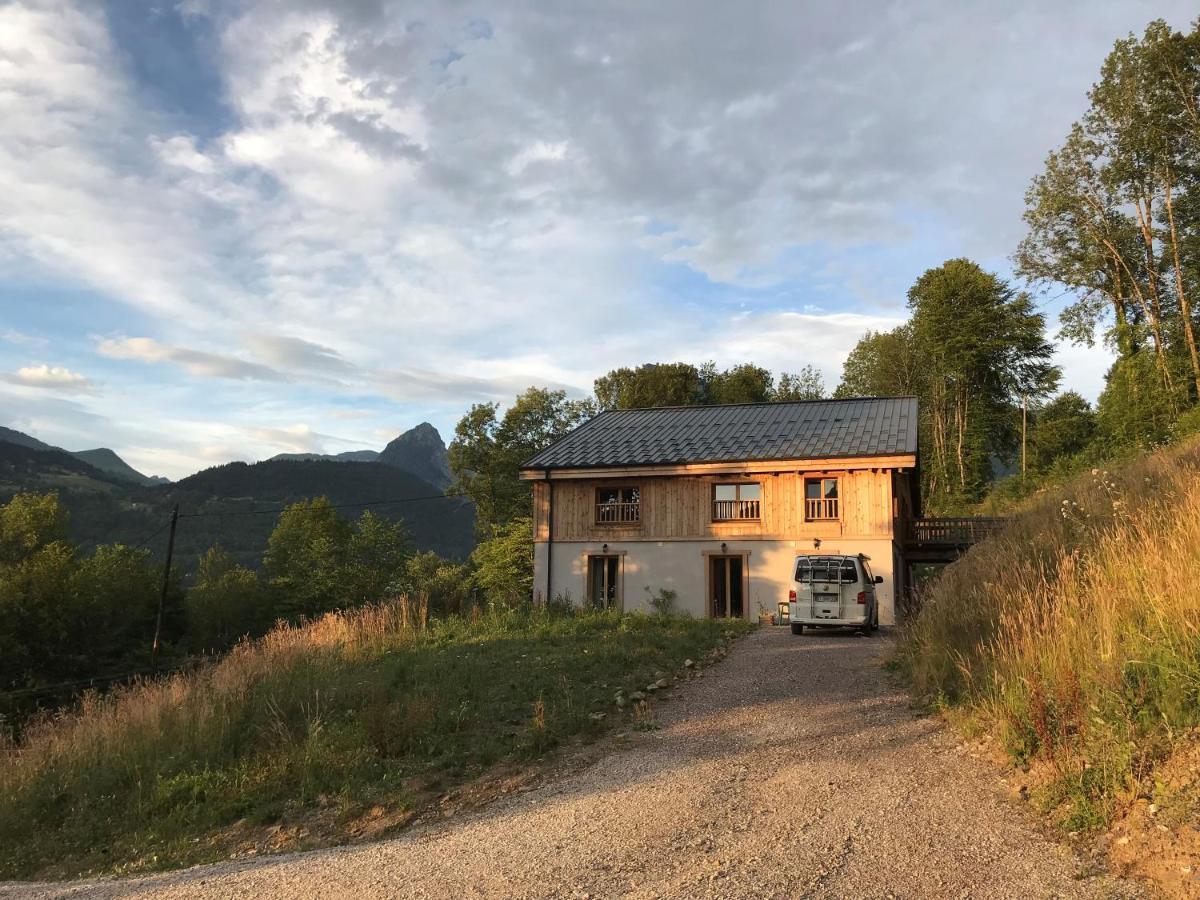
column 833, row 591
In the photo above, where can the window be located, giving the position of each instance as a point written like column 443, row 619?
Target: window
column 604, row 582
column 618, row 505
column 826, row 570
column 820, row 498
column 736, row 501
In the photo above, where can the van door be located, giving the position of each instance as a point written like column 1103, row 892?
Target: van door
column 828, row 601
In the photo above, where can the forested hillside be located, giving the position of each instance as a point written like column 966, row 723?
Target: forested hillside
column 235, row 505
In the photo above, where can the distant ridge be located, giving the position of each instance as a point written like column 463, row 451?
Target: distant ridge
column 419, row 451
column 348, row 456
column 101, row 458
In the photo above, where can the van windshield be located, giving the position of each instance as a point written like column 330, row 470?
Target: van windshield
column 826, row 570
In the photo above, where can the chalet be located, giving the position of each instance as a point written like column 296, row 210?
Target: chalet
column 715, row 502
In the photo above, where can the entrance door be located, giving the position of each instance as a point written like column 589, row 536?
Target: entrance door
column 603, row 582
column 725, row 587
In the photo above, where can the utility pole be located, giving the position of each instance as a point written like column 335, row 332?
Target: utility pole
column 1024, row 430
column 162, row 597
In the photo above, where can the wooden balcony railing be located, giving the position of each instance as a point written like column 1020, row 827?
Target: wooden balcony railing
column 955, row 532
column 727, row 510
column 821, row 508
column 618, row 513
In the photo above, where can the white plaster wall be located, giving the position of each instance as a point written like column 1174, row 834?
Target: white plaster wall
column 680, row 566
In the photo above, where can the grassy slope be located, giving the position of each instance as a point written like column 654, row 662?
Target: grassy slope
column 1074, row 637
column 311, row 728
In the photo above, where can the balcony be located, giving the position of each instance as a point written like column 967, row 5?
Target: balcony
column 821, row 508
column 733, row 510
column 619, row 513
column 961, row 533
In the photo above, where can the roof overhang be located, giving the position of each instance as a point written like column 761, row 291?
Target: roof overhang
column 832, row 464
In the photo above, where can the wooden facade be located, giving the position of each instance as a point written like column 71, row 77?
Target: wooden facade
column 679, row 507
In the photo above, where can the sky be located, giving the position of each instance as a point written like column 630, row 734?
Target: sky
column 230, row 229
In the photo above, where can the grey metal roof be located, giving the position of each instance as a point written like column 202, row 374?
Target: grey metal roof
column 872, row 426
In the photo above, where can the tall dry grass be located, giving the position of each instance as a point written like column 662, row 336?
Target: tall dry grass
column 1075, row 633
column 315, row 723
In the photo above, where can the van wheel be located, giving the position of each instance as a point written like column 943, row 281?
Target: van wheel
column 875, row 621
column 797, row 629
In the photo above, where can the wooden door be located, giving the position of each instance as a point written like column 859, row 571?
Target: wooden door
column 725, row 587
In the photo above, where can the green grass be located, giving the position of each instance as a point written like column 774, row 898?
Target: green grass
column 313, row 727
column 1074, row 636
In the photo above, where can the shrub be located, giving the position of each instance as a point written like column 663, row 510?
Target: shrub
column 504, row 564
column 662, row 601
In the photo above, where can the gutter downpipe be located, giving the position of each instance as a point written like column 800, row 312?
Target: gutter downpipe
column 549, row 533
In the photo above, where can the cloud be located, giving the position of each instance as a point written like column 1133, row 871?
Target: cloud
column 56, row 378
column 13, row 336
column 417, row 385
column 419, row 211
column 196, row 362
column 293, row 438
column 297, row 354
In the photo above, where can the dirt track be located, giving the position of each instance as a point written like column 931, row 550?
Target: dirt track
column 791, row 769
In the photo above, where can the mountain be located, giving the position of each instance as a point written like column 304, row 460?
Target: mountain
column 236, row 505
column 107, row 461
column 239, row 503
column 101, row 458
column 421, row 451
column 27, row 468
column 348, row 456
column 10, row 436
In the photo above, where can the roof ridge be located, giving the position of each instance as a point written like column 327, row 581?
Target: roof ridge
column 699, row 406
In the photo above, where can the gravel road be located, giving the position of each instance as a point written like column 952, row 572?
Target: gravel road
column 791, row 769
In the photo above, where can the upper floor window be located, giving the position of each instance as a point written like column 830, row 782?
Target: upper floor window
column 618, row 505
column 736, row 501
column 820, row 498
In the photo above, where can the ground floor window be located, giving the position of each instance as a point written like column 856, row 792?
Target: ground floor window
column 725, row 584
column 604, row 581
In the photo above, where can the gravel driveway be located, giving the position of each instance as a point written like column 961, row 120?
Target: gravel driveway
column 791, row 769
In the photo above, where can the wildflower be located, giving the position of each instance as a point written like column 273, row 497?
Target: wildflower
column 1095, row 471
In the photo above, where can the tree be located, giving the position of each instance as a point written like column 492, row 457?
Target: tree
column 1133, row 410
column 487, row 452
column 1061, row 428
column 652, row 384
column 65, row 616
column 319, row 562
column 376, row 559
column 1114, row 216
column 1081, row 238
column 807, row 384
column 227, row 602
column 504, row 564
column 882, row 364
column 745, row 383
column 981, row 347
column 29, row 522
column 306, row 557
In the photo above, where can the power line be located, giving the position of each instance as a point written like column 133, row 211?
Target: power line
column 99, row 679
column 157, row 532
